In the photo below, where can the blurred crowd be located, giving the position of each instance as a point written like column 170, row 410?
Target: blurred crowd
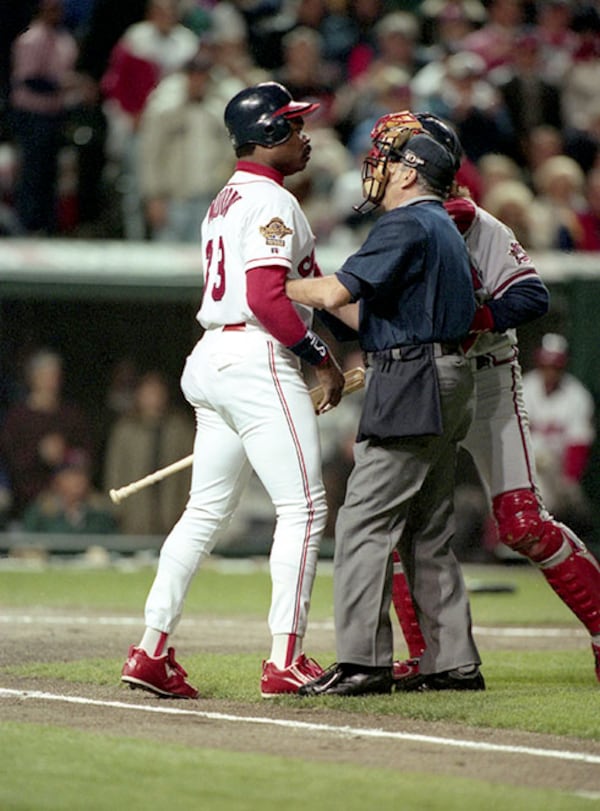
column 111, row 112
column 111, row 127
column 58, row 461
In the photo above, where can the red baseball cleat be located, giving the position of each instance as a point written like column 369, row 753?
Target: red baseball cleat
column 596, row 650
column 163, row 675
column 276, row 682
column 405, row 668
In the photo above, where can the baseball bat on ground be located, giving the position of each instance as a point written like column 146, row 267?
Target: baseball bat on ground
column 355, row 380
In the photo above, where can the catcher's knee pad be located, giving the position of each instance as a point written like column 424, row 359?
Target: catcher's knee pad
column 522, row 527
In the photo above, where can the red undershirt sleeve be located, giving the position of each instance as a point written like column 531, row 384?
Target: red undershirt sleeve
column 265, row 290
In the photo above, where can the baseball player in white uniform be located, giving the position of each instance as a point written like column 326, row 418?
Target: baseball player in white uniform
column 561, row 420
column 252, row 405
column 510, row 293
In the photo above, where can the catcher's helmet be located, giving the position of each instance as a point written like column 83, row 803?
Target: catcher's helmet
column 260, row 115
column 443, row 134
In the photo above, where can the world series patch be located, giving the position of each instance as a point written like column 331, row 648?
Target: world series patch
column 275, row 231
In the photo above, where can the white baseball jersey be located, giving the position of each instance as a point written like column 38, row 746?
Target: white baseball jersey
column 561, row 419
column 253, row 222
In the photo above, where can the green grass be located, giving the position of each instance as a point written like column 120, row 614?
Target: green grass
column 143, row 776
column 548, row 692
column 246, row 593
column 551, row 691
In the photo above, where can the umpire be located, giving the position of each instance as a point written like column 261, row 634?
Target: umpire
column 412, row 280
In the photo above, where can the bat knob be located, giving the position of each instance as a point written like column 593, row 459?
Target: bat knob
column 114, row 496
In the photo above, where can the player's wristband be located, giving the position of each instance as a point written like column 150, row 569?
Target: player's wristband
column 311, row 349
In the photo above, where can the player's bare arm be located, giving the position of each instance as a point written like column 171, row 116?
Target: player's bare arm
column 324, row 292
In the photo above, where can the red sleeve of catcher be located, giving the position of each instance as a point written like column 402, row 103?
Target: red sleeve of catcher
column 265, row 289
column 462, row 210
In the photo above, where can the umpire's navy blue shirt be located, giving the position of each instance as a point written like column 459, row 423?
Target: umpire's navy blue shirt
column 413, row 278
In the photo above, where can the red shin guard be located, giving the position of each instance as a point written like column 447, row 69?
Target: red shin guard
column 570, row 569
column 576, row 580
column 405, row 611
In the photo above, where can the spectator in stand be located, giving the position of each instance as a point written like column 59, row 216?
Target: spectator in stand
column 15, row 19
column 389, row 60
column 120, row 391
column 364, row 15
column 475, row 107
column 588, row 232
column 304, row 70
column 396, row 38
column 561, row 418
column 70, row 504
column 146, row 53
column 84, row 135
column 493, row 42
column 445, row 23
column 228, row 40
column 579, row 88
column 541, row 143
column 553, row 19
column 389, row 91
column 178, row 180
column 120, row 384
column 495, row 168
column 43, row 62
column 559, row 187
column 531, row 101
column 39, row 432
column 511, row 202
column 583, row 144
column 333, row 25
column 108, row 20
column 152, row 436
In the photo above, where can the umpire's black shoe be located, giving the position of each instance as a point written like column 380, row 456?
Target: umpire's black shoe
column 349, row 680
column 464, row 678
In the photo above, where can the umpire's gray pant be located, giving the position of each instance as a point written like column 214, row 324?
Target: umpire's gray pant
column 401, row 493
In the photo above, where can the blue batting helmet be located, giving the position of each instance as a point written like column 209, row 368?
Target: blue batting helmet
column 261, row 114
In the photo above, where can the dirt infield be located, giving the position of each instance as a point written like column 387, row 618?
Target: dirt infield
column 274, row 727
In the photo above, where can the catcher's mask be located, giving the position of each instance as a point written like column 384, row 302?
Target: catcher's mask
column 261, row 115
column 389, row 135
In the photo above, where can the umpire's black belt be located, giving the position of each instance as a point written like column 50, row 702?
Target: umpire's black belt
column 405, row 352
